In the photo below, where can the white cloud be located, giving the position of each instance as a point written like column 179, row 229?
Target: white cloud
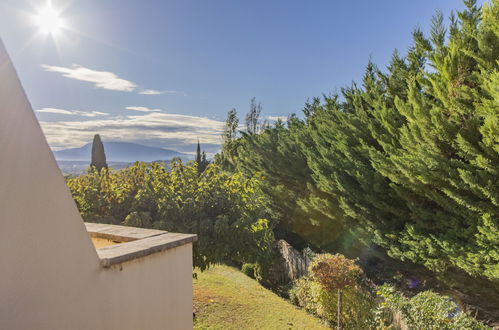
column 151, row 92
column 143, row 109
column 73, row 112
column 171, row 131
column 156, row 92
column 101, row 79
column 276, row 118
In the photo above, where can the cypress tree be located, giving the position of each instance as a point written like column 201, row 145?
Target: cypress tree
column 198, row 154
column 408, row 158
column 98, row 155
column 201, row 160
column 302, row 209
column 412, row 154
column 444, row 167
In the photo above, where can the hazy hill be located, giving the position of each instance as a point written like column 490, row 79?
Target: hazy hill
column 120, row 152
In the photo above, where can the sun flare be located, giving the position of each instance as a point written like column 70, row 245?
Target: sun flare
column 49, row 20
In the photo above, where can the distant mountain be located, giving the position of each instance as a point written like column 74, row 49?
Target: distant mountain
column 120, row 152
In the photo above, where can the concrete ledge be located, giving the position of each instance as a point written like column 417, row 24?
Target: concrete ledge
column 120, row 233
column 115, row 254
column 137, row 242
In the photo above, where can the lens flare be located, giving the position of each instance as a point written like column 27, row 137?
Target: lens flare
column 49, row 21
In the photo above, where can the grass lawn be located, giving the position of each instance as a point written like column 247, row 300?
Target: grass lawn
column 225, row 298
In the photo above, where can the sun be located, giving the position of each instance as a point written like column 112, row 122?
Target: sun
column 49, row 20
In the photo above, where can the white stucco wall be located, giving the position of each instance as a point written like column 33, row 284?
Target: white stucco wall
column 150, row 293
column 50, row 275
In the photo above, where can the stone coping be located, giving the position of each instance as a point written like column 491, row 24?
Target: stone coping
column 137, row 242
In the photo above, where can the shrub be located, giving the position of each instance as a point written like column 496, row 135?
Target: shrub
column 228, row 211
column 302, row 294
column 318, row 292
column 335, row 271
column 428, row 310
column 249, row 270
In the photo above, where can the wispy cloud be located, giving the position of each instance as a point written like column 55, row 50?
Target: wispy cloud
column 143, row 109
column 171, row 131
column 276, row 118
column 101, row 79
column 151, row 92
column 156, row 92
column 73, row 112
column 104, row 79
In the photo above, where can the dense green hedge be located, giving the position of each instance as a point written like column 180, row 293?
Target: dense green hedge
column 408, row 159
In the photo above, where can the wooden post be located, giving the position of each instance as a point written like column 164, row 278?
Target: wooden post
column 339, row 309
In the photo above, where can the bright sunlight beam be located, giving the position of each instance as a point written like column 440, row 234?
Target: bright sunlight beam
column 48, row 20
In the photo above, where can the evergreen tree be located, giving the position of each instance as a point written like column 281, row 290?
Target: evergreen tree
column 201, row 160
column 226, row 156
column 253, row 117
column 412, row 154
column 408, row 159
column 98, row 155
column 445, row 169
column 302, row 209
column 230, row 129
column 198, row 153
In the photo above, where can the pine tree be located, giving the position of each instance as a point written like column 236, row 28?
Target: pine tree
column 253, row 117
column 98, row 155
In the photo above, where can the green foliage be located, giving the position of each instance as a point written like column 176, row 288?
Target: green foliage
column 201, row 160
column 227, row 211
column 275, row 154
column 318, row 292
column 230, row 128
column 442, row 165
column 428, row 310
column 408, row 159
column 253, row 117
column 249, row 270
column 227, row 156
column 98, row 155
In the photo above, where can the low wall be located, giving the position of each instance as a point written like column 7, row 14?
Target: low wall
column 150, row 289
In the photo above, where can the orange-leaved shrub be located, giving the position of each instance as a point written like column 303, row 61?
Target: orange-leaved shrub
column 335, row 271
column 330, row 276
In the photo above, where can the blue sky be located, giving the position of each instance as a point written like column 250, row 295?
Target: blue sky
column 164, row 73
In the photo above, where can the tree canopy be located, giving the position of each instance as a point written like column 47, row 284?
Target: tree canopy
column 403, row 165
column 227, row 211
column 410, row 155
